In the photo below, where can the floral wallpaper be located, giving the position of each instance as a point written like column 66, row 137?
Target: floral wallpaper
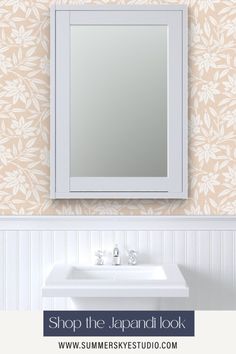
column 24, row 114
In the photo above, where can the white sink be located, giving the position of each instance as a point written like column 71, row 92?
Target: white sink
column 126, row 284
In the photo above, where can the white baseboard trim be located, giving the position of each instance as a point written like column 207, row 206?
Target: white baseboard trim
column 105, row 223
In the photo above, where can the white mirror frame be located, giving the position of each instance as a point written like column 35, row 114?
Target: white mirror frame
column 174, row 186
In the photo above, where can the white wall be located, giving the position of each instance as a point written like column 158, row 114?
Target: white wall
column 203, row 247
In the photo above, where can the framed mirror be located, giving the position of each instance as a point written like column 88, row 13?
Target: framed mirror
column 119, row 102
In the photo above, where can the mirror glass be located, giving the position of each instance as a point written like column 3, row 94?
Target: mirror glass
column 118, row 107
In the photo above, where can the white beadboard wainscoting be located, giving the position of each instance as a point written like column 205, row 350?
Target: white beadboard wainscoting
column 204, row 248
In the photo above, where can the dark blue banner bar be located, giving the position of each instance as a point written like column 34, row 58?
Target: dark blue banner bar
column 118, row 323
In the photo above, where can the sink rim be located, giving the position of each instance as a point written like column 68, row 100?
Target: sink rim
column 57, row 283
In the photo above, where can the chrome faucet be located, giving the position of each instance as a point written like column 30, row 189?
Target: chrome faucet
column 116, row 256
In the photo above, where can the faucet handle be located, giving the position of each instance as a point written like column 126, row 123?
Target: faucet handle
column 99, row 253
column 132, row 257
column 99, row 257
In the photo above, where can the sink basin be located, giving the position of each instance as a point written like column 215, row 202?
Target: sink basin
column 121, row 274
column 139, row 281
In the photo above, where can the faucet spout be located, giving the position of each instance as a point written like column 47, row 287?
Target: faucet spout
column 116, row 256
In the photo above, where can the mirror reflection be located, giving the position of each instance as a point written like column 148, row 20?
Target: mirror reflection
column 118, row 109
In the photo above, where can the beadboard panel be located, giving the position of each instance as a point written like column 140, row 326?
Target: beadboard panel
column 206, row 256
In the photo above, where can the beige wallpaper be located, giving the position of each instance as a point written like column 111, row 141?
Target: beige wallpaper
column 24, row 113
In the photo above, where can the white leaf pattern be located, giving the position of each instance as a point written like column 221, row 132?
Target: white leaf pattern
column 24, row 113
